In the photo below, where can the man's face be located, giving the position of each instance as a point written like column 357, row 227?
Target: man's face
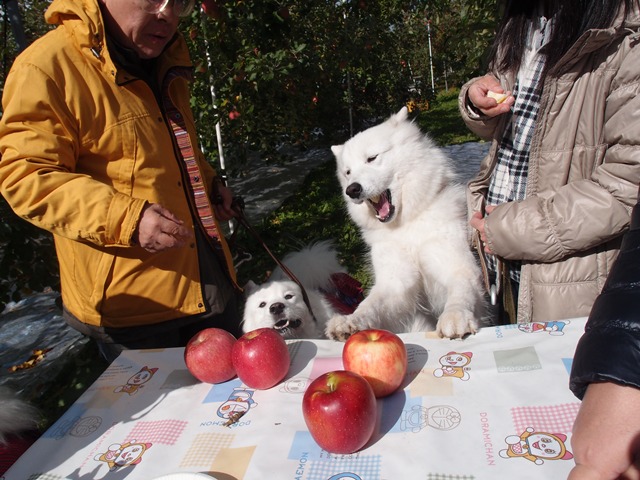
column 145, row 33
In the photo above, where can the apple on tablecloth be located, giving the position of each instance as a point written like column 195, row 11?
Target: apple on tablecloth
column 339, row 408
column 379, row 356
column 261, row 358
column 208, row 355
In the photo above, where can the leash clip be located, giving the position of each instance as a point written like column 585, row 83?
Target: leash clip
column 493, row 292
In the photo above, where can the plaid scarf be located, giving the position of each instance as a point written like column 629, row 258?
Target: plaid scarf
column 509, row 179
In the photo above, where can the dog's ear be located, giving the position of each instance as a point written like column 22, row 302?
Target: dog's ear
column 337, row 150
column 249, row 288
column 402, row 115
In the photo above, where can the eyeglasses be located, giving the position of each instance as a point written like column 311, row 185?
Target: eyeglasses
column 182, row 8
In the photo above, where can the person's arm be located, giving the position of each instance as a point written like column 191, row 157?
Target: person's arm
column 606, row 434
column 481, row 113
column 605, row 373
column 487, row 97
column 39, row 144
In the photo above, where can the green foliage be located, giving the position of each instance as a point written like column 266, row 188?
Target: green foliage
column 286, row 72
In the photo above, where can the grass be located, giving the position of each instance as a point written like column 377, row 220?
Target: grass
column 443, row 122
column 315, row 212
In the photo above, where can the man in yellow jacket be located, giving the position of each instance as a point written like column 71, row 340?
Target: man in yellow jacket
column 99, row 147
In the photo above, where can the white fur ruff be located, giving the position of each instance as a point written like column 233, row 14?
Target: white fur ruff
column 401, row 191
column 16, row 415
column 279, row 303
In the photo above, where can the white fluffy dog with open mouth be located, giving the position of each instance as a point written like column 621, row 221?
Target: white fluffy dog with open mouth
column 401, row 191
column 279, row 303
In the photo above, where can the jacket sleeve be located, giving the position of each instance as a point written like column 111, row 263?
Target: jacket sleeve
column 39, row 144
column 609, row 350
column 557, row 224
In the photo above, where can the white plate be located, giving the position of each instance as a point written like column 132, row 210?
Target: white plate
column 186, row 476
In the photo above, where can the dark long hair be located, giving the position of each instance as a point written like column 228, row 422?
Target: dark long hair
column 573, row 18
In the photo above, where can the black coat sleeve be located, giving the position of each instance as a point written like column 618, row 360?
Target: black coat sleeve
column 609, row 350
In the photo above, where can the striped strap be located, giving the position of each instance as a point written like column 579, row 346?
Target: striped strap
column 192, row 169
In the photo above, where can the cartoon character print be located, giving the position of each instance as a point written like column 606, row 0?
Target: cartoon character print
column 137, row 381
column 238, row 403
column 76, row 427
column 295, row 385
column 440, row 417
column 455, row 365
column 553, row 328
column 537, row 447
column 123, row 455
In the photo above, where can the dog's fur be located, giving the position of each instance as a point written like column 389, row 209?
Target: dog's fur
column 401, row 191
column 279, row 303
column 16, row 416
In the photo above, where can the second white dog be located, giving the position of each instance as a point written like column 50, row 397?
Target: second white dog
column 401, row 192
column 279, row 303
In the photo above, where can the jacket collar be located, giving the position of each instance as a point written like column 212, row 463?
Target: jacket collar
column 593, row 40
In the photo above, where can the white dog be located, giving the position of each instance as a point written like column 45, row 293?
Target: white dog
column 279, row 303
column 401, row 192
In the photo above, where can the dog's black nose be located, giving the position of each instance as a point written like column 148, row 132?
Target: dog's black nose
column 354, row 190
column 276, row 308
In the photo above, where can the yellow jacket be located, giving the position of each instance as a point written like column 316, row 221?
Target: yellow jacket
column 84, row 146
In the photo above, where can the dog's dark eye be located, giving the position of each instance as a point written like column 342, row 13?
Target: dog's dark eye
column 372, row 158
column 347, row 173
column 262, row 304
column 288, row 296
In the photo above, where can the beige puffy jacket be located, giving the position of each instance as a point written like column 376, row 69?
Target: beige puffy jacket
column 584, row 171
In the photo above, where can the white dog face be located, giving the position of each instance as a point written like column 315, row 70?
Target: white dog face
column 365, row 179
column 279, row 305
column 367, row 167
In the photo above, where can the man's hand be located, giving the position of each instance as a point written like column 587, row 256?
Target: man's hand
column 477, row 223
column 222, row 197
column 479, row 96
column 159, row 229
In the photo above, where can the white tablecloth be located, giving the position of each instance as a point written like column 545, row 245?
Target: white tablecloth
column 146, row 416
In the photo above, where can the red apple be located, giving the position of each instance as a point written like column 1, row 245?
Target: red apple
column 208, row 355
column 213, row 8
column 339, row 409
column 261, row 358
column 379, row 356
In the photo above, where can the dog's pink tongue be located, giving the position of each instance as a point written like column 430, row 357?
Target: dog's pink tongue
column 382, row 207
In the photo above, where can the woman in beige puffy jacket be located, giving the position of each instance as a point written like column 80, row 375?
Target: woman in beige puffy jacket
column 554, row 195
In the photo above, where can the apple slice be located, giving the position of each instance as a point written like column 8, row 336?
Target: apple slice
column 498, row 97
